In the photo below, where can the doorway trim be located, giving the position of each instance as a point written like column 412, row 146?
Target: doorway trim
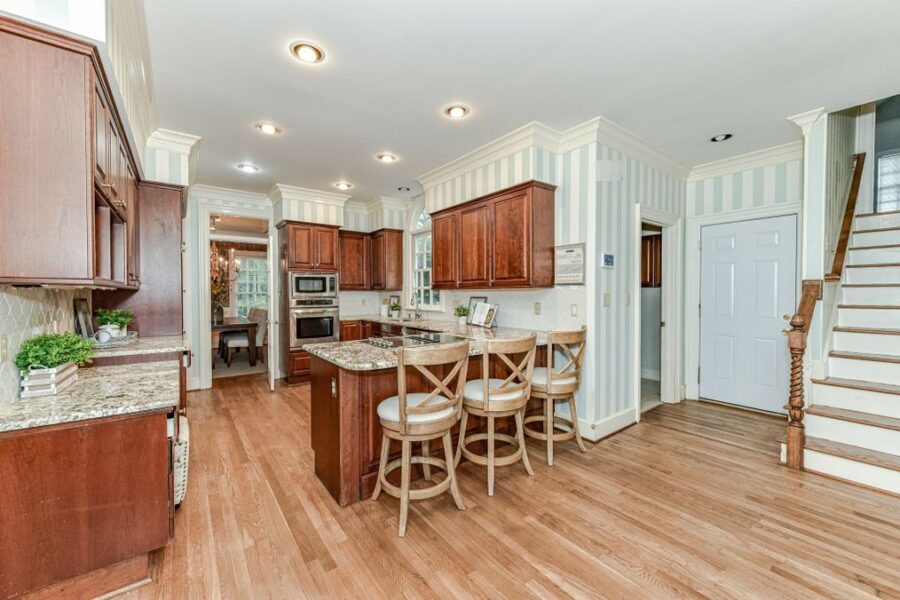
column 670, row 369
column 692, row 277
column 220, row 201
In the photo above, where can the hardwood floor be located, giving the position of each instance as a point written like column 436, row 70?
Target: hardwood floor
column 689, row 503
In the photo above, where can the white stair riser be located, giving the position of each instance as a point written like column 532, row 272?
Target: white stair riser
column 866, row 317
column 873, row 256
column 849, row 470
column 876, row 238
column 853, row 434
column 873, row 403
column 877, row 221
column 871, row 295
column 867, row 342
column 873, row 275
column 864, row 370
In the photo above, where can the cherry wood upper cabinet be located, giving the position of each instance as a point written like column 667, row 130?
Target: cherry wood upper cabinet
column 355, row 261
column 387, row 259
column 444, row 250
column 474, row 265
column 651, row 260
column 311, row 247
column 378, row 279
column 503, row 240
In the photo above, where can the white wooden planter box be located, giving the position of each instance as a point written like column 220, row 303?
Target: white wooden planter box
column 48, row 382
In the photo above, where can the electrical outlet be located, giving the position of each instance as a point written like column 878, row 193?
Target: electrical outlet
column 4, row 349
column 607, row 299
column 537, row 308
column 574, row 309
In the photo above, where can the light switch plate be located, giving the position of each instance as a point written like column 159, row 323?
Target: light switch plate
column 537, row 308
column 574, row 309
column 607, row 299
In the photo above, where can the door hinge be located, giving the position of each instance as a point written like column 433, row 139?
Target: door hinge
column 698, row 374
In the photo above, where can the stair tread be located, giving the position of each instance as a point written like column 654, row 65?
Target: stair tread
column 871, row 330
column 878, row 214
column 863, row 455
column 871, row 306
column 859, row 384
column 873, row 265
column 870, row 285
column 855, row 416
column 876, row 247
column 865, row 356
column 877, row 229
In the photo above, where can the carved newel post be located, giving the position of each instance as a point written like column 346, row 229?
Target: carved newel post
column 796, row 437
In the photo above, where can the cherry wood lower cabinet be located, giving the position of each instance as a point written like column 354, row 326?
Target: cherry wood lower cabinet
column 297, row 368
column 502, row 240
column 81, row 497
column 345, row 429
column 351, row 330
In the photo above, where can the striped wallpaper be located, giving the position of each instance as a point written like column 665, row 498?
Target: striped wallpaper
column 360, row 218
column 652, row 187
column 312, row 212
column 763, row 186
column 841, row 145
column 167, row 167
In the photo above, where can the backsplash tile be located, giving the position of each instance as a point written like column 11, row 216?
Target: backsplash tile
column 25, row 312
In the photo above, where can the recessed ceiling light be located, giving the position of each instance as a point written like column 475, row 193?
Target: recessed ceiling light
column 268, row 129
column 721, row 137
column 307, row 52
column 403, row 188
column 456, row 111
column 386, row 157
column 343, row 185
column 248, row 168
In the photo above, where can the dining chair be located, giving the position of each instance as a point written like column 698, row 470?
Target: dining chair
column 236, row 340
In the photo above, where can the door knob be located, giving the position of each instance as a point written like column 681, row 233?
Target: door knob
column 785, row 331
column 786, row 317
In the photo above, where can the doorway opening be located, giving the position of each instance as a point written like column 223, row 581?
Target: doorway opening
column 651, row 315
column 240, row 295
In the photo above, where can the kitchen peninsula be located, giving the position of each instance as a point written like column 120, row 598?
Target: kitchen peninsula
column 349, row 379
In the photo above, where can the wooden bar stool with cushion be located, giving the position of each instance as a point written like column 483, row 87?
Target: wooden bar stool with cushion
column 492, row 398
column 422, row 417
column 551, row 385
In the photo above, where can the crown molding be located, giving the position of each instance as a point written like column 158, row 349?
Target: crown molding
column 385, row 202
column 281, row 193
column 749, row 161
column 228, row 195
column 172, row 141
column 579, row 135
column 531, row 134
column 626, row 142
column 805, row 120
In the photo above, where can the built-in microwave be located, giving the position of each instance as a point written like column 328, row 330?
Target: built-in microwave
column 313, row 285
column 312, row 325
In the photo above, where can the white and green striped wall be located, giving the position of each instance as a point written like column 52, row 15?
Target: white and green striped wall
column 767, row 185
column 166, row 166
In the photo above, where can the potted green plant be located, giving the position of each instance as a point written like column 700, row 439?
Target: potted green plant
column 49, row 362
column 462, row 314
column 114, row 320
column 395, row 309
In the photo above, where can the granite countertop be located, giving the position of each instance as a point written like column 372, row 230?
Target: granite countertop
column 361, row 356
column 99, row 392
column 146, row 345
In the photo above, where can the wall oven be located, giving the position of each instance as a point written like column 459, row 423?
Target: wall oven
column 313, row 285
column 313, row 324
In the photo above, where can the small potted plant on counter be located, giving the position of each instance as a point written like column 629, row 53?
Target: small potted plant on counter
column 114, row 320
column 395, row 309
column 462, row 314
column 49, row 362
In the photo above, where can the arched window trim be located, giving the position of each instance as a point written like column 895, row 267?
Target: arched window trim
column 420, row 229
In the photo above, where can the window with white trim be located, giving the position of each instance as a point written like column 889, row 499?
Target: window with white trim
column 889, row 183
column 251, row 288
column 421, row 261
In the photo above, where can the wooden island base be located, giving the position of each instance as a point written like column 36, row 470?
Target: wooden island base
column 345, row 430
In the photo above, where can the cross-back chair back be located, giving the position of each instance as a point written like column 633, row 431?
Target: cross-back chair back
column 447, row 392
column 569, row 346
column 518, row 357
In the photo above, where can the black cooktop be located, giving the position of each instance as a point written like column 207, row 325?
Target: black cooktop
column 412, row 341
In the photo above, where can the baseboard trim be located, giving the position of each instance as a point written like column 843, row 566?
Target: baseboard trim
column 607, row 426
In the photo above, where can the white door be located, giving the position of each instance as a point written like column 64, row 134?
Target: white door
column 272, row 346
column 747, row 293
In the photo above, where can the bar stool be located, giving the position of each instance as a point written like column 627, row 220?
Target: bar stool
column 421, row 417
column 550, row 385
column 492, row 398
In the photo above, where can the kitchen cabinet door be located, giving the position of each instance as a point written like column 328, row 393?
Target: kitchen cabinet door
column 301, row 253
column 378, row 255
column 355, row 261
column 132, row 221
column 101, row 136
column 326, row 248
column 444, row 250
column 474, row 258
column 350, row 331
column 387, row 259
column 510, row 240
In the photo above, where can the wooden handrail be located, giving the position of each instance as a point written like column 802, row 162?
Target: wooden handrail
column 796, row 437
column 840, row 252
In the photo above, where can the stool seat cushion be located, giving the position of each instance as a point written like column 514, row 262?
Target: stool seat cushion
column 539, row 378
column 474, row 391
column 236, row 339
column 389, row 409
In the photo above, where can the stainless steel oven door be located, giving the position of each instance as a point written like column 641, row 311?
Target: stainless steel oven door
column 313, row 285
column 313, row 325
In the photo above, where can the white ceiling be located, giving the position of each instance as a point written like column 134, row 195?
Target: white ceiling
column 674, row 73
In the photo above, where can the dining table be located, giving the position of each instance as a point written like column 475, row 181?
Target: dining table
column 229, row 324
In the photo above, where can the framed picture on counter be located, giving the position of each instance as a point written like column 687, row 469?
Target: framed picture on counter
column 485, row 314
column 473, row 302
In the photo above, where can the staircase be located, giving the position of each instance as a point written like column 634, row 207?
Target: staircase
column 852, row 425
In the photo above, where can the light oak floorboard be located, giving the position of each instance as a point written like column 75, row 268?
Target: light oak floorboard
column 690, row 503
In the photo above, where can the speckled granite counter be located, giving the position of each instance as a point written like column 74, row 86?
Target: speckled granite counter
column 148, row 345
column 99, row 392
column 361, row 356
